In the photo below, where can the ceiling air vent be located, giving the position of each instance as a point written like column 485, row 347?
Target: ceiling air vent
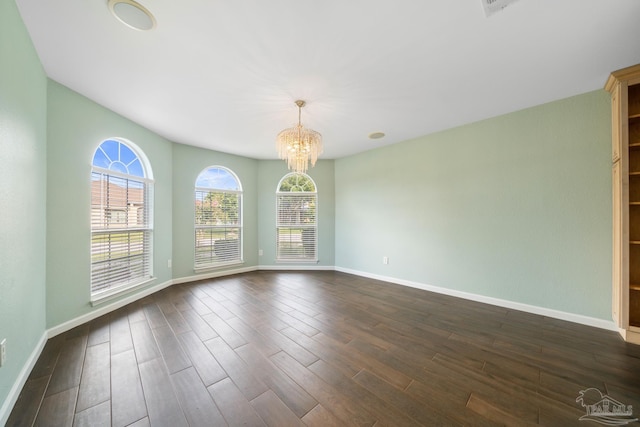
column 493, row 6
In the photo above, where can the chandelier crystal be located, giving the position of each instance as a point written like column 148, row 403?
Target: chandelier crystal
column 299, row 145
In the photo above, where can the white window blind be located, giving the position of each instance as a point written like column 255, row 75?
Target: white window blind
column 296, row 222
column 218, row 219
column 218, row 231
column 120, row 231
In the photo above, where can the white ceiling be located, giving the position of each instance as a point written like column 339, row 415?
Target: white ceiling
column 224, row 75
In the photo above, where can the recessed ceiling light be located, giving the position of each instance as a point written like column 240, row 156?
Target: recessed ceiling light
column 132, row 14
column 376, row 135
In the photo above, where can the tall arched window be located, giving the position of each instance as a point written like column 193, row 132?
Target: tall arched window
column 218, row 218
column 121, row 217
column 296, row 219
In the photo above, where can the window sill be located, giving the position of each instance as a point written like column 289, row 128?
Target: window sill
column 297, row 261
column 111, row 294
column 217, row 266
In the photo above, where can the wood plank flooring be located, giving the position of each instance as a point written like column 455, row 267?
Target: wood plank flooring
column 321, row 349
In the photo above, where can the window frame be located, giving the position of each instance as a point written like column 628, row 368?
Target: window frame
column 281, row 254
column 103, row 227
column 211, row 265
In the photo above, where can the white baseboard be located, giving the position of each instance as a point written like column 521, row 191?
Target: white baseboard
column 300, row 267
column 23, row 376
column 556, row 314
column 212, row 274
column 107, row 308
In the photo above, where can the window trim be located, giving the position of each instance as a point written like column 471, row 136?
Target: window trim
column 282, row 260
column 112, row 291
column 223, row 264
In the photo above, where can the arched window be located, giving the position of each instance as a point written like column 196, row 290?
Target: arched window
column 296, row 219
column 121, row 218
column 218, row 218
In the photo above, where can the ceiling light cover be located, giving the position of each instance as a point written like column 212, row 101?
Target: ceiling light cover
column 298, row 145
column 132, row 14
column 376, row 135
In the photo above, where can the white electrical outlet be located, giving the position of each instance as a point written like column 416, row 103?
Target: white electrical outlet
column 260, row 253
column 385, row 260
column 3, row 351
column 169, row 264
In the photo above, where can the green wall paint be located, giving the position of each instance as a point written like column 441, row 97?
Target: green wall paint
column 23, row 116
column 188, row 162
column 270, row 174
column 516, row 207
column 76, row 126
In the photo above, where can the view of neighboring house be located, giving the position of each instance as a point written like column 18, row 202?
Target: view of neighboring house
column 113, row 204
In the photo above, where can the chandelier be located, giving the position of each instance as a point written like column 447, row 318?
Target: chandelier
column 299, row 145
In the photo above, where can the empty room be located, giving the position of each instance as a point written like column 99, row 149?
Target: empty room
column 352, row 213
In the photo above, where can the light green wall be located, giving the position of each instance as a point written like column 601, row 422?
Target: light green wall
column 188, row 162
column 23, row 115
column 76, row 126
column 270, row 174
column 516, row 207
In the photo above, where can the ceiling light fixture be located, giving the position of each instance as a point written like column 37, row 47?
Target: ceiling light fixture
column 132, row 14
column 299, row 145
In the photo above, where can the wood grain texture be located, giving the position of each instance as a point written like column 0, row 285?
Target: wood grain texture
column 95, row 416
column 235, row 408
column 127, row 397
column 68, row 369
column 57, row 409
column 207, row 366
column 195, row 400
column 95, row 383
column 160, row 397
column 321, row 349
column 27, row 406
column 274, row 412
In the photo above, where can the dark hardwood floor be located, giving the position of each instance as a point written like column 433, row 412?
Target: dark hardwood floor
column 322, row 349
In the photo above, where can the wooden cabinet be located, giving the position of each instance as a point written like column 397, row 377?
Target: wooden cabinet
column 624, row 86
